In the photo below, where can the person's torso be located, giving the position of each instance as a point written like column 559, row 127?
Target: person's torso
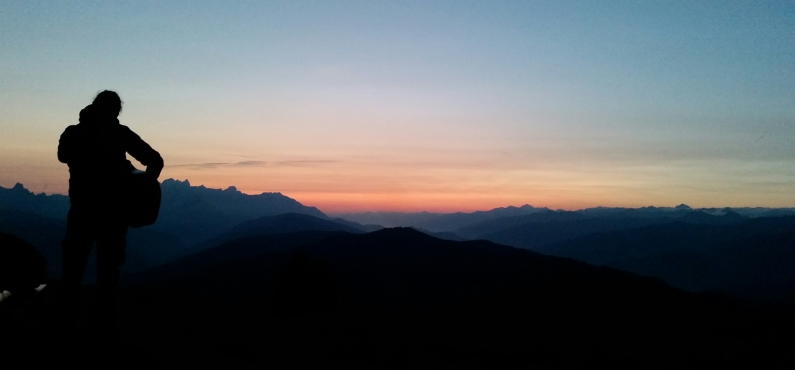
column 99, row 160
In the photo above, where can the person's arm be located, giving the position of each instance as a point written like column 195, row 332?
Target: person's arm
column 144, row 153
column 66, row 147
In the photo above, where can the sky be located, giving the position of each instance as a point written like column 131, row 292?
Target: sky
column 420, row 105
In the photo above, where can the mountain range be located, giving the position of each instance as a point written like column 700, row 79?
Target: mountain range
column 242, row 280
column 730, row 250
column 189, row 215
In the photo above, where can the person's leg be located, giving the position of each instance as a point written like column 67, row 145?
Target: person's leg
column 111, row 245
column 76, row 247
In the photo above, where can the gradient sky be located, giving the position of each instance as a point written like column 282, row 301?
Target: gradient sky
column 426, row 105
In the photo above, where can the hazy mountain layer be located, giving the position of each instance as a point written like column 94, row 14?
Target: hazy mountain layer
column 510, row 216
column 280, row 224
column 145, row 248
column 196, row 213
column 753, row 258
column 20, row 199
column 191, row 213
column 546, row 228
column 436, row 222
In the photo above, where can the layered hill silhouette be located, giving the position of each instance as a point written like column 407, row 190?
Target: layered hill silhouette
column 17, row 198
column 438, row 222
column 508, row 216
column 674, row 240
column 398, row 297
column 145, row 248
column 281, row 224
column 197, row 213
column 549, row 227
column 191, row 213
column 275, row 288
column 733, row 251
column 753, row 259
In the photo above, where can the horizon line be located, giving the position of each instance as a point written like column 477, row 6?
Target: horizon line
column 573, row 209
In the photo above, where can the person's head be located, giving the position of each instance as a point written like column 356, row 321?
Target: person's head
column 107, row 104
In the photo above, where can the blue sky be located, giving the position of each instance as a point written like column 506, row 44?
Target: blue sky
column 420, row 105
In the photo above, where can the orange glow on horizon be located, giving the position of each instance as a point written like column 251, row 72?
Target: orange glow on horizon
column 375, row 185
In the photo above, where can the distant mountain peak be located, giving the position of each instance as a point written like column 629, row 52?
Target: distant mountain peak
column 682, row 206
column 175, row 182
column 393, row 231
column 198, row 213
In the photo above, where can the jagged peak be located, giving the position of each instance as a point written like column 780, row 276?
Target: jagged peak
column 171, row 181
column 18, row 188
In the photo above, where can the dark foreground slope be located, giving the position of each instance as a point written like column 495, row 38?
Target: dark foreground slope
column 398, row 296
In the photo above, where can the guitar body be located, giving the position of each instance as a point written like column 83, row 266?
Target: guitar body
column 143, row 199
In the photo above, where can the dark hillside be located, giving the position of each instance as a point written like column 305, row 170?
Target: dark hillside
column 539, row 230
column 287, row 223
column 191, row 213
column 398, row 296
column 279, row 224
column 458, row 220
column 438, row 222
column 44, row 233
column 197, row 213
column 477, row 230
column 535, row 234
column 731, row 258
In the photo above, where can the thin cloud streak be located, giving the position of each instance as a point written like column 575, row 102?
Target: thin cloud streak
column 215, row 165
column 249, row 164
column 306, row 163
column 202, row 166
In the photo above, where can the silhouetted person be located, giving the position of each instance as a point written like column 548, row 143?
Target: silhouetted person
column 95, row 150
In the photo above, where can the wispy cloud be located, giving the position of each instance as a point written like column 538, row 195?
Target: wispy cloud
column 201, row 166
column 283, row 163
column 238, row 155
column 213, row 165
column 305, row 163
column 249, row 164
